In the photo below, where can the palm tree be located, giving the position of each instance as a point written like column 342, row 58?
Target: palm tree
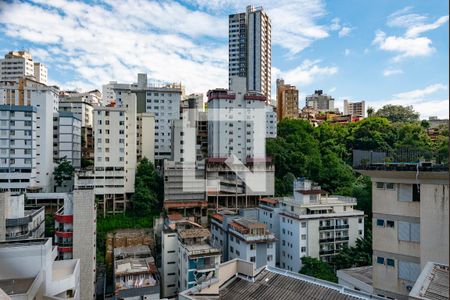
column 370, row 111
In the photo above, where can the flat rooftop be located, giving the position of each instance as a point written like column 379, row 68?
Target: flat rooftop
column 130, row 266
column 23, row 243
column 363, row 274
column 133, row 250
column 16, row 286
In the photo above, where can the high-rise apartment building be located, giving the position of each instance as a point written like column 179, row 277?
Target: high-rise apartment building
column 44, row 99
column 161, row 100
column 67, row 138
column 320, row 101
column 18, row 163
column 287, row 100
column 410, row 204
column 114, row 160
column 249, row 49
column 19, row 64
column 357, row 109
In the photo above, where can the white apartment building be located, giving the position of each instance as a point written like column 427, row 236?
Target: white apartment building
column 320, row 101
column 243, row 238
column 355, row 108
column 410, row 224
column 40, row 73
column 67, row 138
column 15, row 65
column 17, row 221
column 271, row 122
column 161, row 100
column 115, row 150
column 311, row 223
column 45, row 99
column 78, row 104
column 250, row 50
column 28, row 270
column 187, row 257
column 18, row 165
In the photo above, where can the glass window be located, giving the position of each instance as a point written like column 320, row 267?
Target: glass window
column 390, row 223
column 390, row 262
column 380, row 222
column 380, row 185
column 380, row 260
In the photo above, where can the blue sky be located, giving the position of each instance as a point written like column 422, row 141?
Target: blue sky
column 380, row 51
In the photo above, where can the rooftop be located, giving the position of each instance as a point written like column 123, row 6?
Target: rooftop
column 272, row 283
column 433, row 283
column 16, row 286
column 194, row 233
column 134, row 265
column 363, row 274
column 140, row 250
column 23, row 243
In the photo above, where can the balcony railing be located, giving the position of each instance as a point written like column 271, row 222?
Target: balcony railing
column 325, row 252
column 326, row 227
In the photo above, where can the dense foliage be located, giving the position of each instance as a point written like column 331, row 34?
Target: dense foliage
column 316, row 268
column 147, row 188
column 398, row 113
column 358, row 256
column 63, row 170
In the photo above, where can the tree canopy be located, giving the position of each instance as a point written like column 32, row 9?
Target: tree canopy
column 316, row 268
column 63, row 170
column 147, row 186
column 398, row 113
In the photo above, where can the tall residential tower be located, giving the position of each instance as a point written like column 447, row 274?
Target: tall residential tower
column 250, row 48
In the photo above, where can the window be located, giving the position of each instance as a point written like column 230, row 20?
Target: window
column 269, row 257
column 231, row 249
column 390, row 223
column 390, row 186
column 408, row 231
column 252, row 246
column 303, row 224
column 238, row 253
column 390, row 262
column 405, row 192
column 408, row 270
column 380, row 260
column 380, row 222
column 252, row 259
column 303, row 249
column 303, row 236
column 360, row 220
column 380, row 185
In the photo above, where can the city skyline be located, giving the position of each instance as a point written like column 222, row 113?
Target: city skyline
column 348, row 54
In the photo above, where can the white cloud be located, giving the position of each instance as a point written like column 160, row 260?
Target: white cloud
column 405, row 47
column 306, row 73
column 422, row 100
column 102, row 43
column 345, row 31
column 390, row 72
column 411, row 43
column 420, row 93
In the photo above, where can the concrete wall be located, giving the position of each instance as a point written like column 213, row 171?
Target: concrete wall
column 84, row 239
column 434, row 223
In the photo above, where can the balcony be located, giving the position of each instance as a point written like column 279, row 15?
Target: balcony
column 65, row 276
column 64, row 234
column 326, row 252
column 326, row 227
column 345, row 226
column 65, row 249
column 60, row 217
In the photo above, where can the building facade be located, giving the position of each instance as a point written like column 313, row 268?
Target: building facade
column 287, row 100
column 357, row 109
column 67, row 138
column 18, row 221
column 409, row 225
column 250, row 52
column 243, row 238
column 187, row 257
column 19, row 64
column 320, row 101
column 18, row 137
column 311, row 223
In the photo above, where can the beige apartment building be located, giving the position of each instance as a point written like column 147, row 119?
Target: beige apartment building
column 410, row 224
column 287, row 100
column 357, row 109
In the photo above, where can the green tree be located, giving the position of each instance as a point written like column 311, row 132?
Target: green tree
column 370, row 111
column 372, row 134
column 398, row 113
column 358, row 256
column 147, row 185
column 64, row 170
column 317, row 268
column 413, row 136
